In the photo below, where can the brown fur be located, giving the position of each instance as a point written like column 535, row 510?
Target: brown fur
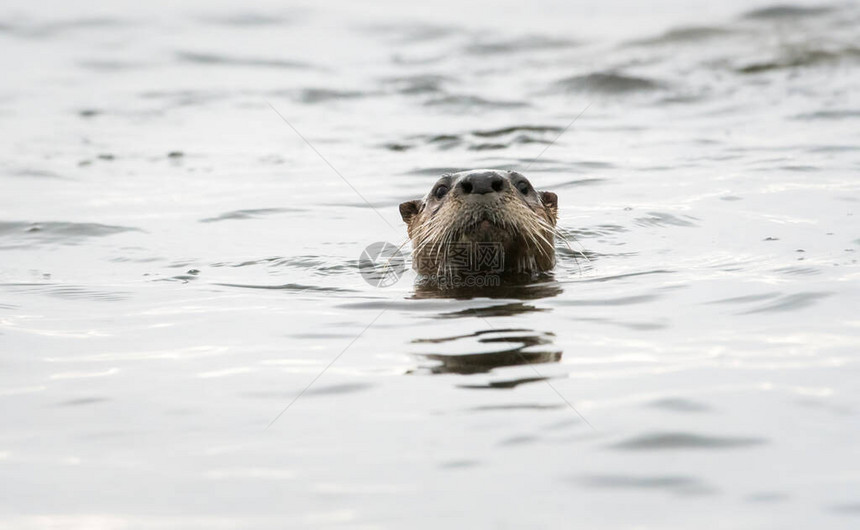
column 522, row 224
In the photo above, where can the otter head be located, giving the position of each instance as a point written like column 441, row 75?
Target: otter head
column 482, row 220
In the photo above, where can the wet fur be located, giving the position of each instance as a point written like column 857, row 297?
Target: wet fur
column 523, row 224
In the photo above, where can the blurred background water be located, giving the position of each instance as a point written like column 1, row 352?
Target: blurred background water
column 177, row 265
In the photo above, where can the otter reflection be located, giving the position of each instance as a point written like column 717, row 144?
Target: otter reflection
column 521, row 346
column 517, row 288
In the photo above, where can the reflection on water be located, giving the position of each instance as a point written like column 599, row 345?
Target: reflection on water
column 511, row 347
column 178, row 267
column 510, row 288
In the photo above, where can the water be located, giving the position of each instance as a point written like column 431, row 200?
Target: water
column 178, row 266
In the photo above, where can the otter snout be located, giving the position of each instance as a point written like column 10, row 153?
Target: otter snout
column 482, row 183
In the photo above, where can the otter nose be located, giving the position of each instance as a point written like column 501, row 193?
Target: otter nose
column 480, row 183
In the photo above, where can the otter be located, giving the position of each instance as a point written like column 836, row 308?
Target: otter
column 482, row 221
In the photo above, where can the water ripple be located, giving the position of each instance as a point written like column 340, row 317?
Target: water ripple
column 679, row 485
column 418, row 83
column 680, row 405
column 684, row 35
column 313, row 96
column 213, row 59
column 801, row 57
column 792, row 302
column 290, row 287
column 69, row 292
column 609, row 83
column 664, row 219
column 248, row 19
column 25, row 234
column 249, row 214
column 461, row 102
column 519, row 45
column 781, row 11
column 621, row 301
column 681, row 440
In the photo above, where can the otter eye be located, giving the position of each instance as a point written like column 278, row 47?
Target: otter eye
column 524, row 187
column 440, row 191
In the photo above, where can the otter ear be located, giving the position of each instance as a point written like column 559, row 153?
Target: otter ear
column 550, row 204
column 409, row 209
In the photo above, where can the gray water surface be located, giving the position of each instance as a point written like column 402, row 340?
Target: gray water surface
column 179, row 267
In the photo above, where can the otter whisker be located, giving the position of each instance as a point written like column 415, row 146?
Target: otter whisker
column 556, row 231
column 580, row 252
